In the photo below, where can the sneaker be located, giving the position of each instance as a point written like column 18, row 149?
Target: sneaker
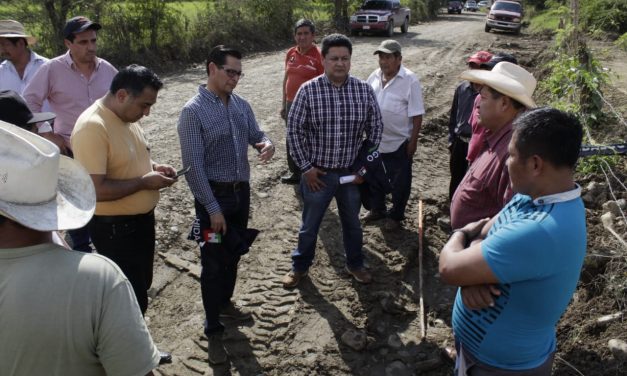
column 216, row 351
column 292, row 278
column 165, row 357
column 361, row 275
column 373, row 215
column 235, row 312
column 392, row 224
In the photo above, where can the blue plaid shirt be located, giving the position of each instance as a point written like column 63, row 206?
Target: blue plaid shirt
column 214, row 142
column 326, row 124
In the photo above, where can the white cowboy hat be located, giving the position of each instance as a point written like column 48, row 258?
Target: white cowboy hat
column 508, row 79
column 14, row 29
column 39, row 188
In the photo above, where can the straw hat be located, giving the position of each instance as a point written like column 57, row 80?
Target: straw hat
column 508, row 79
column 39, row 188
column 14, row 29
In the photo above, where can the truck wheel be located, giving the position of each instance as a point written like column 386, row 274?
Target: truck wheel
column 390, row 30
column 405, row 26
column 487, row 29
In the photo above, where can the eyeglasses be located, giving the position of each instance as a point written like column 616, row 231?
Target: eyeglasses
column 232, row 73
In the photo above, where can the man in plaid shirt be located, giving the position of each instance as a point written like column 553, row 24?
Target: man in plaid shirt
column 325, row 130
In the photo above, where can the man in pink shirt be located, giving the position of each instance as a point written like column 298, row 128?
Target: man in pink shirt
column 505, row 93
column 70, row 82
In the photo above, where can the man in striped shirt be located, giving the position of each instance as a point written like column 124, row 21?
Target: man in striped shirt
column 326, row 126
column 215, row 128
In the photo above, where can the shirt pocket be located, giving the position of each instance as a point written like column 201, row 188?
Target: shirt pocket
column 394, row 104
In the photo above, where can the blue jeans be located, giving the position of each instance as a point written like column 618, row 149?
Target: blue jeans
column 314, row 206
column 219, row 266
column 398, row 170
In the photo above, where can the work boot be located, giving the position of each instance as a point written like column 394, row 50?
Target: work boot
column 292, row 278
column 235, row 312
column 361, row 275
column 216, row 351
column 373, row 215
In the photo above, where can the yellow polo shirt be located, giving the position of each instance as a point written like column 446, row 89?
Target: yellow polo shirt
column 106, row 145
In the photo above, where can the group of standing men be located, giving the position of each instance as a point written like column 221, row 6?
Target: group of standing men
column 331, row 118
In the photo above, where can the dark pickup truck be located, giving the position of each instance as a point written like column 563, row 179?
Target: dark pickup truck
column 380, row 15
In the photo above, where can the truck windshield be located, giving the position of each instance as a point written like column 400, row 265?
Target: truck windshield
column 377, row 5
column 510, row 7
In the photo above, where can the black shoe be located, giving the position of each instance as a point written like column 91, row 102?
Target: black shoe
column 290, row 179
column 165, row 357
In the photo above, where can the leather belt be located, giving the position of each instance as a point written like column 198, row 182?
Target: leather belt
column 227, row 187
column 121, row 218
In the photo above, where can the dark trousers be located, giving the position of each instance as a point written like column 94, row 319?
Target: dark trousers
column 458, row 164
column 398, row 170
column 129, row 241
column 80, row 239
column 219, row 266
column 290, row 161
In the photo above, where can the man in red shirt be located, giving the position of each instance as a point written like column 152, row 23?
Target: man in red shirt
column 505, row 93
column 302, row 63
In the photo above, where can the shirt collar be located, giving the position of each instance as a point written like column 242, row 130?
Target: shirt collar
column 326, row 79
column 559, row 197
column 493, row 138
column 34, row 57
column 68, row 60
column 401, row 73
column 208, row 94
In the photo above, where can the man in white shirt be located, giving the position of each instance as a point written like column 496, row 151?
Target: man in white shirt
column 399, row 95
column 20, row 62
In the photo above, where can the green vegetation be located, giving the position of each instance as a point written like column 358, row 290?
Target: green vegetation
column 596, row 16
column 622, row 42
column 549, row 19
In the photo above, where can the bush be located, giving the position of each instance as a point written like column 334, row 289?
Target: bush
column 622, row 42
column 606, row 15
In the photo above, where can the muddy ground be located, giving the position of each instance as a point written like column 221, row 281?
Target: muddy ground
column 299, row 331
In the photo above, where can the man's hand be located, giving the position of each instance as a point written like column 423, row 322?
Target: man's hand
column 266, row 151
column 156, row 180
column 359, row 179
column 57, row 140
column 164, row 169
column 218, row 223
column 311, row 179
column 412, row 146
column 479, row 296
column 473, row 229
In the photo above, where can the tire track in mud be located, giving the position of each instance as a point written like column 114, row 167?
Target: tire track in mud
column 298, row 332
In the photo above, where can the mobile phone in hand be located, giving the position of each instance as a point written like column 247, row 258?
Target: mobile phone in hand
column 182, row 171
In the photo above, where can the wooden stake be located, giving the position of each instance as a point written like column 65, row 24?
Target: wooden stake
column 423, row 326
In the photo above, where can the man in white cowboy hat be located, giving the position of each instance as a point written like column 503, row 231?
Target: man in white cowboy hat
column 505, row 92
column 518, row 271
column 20, row 62
column 63, row 313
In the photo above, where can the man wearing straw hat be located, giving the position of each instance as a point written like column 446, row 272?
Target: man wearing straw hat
column 505, row 92
column 20, row 62
column 63, row 313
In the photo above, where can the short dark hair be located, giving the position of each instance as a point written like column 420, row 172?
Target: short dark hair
column 553, row 135
column 336, row 40
column 516, row 104
column 305, row 22
column 14, row 40
column 218, row 55
column 134, row 79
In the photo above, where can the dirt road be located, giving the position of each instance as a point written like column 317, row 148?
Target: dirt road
column 299, row 332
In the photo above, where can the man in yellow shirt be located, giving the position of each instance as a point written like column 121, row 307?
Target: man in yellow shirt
column 109, row 143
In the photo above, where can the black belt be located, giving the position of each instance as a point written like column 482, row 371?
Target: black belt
column 121, row 218
column 344, row 170
column 227, row 187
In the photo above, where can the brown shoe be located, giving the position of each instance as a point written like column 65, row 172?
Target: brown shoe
column 361, row 275
column 373, row 215
column 292, row 278
column 235, row 312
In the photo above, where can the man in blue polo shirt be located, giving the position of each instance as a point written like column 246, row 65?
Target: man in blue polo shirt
column 518, row 271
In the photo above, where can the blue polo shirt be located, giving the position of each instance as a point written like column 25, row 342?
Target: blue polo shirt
column 536, row 249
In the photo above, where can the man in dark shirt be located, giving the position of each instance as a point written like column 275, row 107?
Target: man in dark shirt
column 459, row 129
column 325, row 130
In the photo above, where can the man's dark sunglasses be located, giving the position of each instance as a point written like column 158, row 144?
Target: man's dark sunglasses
column 232, row 73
